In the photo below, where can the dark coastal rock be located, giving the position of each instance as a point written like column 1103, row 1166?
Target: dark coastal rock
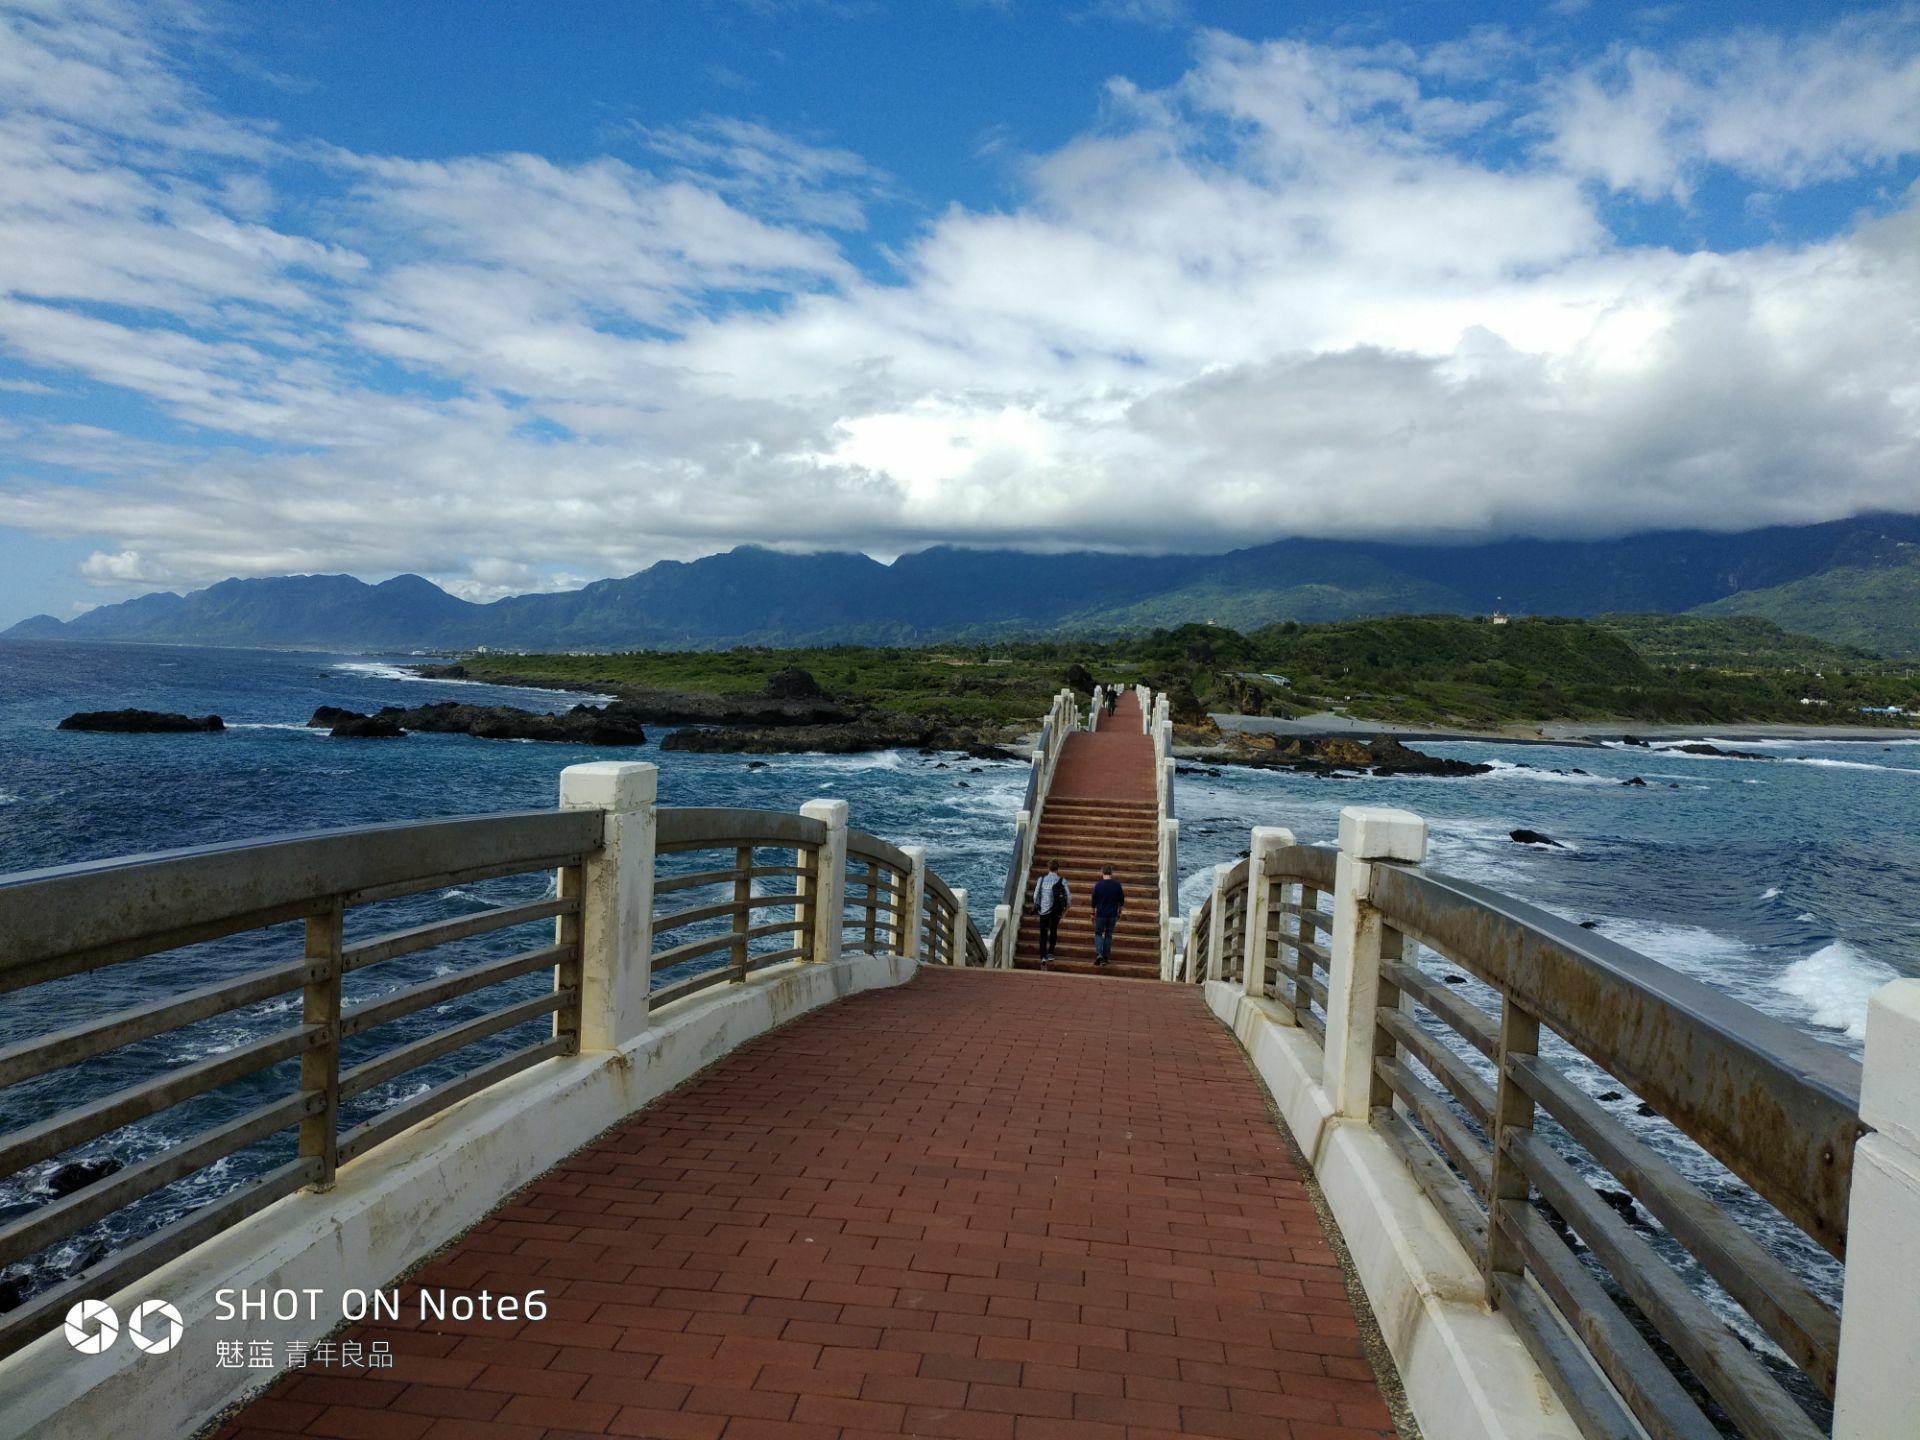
column 979, row 751
column 1700, row 747
column 368, row 727
column 1341, row 756
column 758, row 765
column 1534, row 837
column 793, row 683
column 1608, row 1095
column 1451, row 979
column 1080, row 678
column 1196, row 770
column 78, row 1174
column 1621, row 1203
column 1635, row 781
column 877, row 730
column 686, row 707
column 1589, row 924
column 1644, row 1110
column 141, row 722
column 1636, row 741
column 582, row 725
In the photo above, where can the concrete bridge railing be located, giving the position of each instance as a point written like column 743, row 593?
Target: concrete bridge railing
column 627, row 913
column 1463, row 1109
column 1063, row 718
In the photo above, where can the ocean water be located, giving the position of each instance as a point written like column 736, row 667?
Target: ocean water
column 1791, row 883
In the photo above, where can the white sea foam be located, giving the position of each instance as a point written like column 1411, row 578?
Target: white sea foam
column 1806, row 917
column 1508, row 770
column 1770, row 893
column 276, row 725
column 382, row 670
column 1826, row 764
column 1833, row 984
column 7, row 797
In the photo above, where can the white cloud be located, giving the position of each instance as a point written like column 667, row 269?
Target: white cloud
column 1777, row 110
column 1284, row 295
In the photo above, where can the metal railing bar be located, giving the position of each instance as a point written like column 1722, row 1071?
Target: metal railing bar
column 470, row 875
column 75, row 918
column 374, row 949
column 1593, row 1404
column 1312, row 914
column 681, row 918
column 385, row 1126
column 1703, row 1344
column 418, row 1052
column 1620, row 1352
column 1776, row 1106
column 693, row 949
column 683, row 828
column 689, row 985
column 1466, row 1150
column 1781, row 1303
column 43, row 1311
column 701, row 879
column 40, row 1228
column 1440, row 1185
column 1314, row 1026
column 369, row 1013
column 1465, row 1019
column 60, row 1048
column 1452, row 1072
column 21, row 1148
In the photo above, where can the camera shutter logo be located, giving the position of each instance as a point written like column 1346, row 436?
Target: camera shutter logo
column 155, row 1327
column 92, row 1327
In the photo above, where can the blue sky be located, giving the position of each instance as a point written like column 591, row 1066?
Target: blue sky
column 516, row 296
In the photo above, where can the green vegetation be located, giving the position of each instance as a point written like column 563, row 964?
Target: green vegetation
column 1875, row 606
column 1440, row 670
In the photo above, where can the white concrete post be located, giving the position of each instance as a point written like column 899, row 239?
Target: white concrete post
column 1878, row 1391
column 1093, row 711
column 1266, row 840
column 1176, row 927
column 1217, row 924
column 616, row 919
column 913, row 916
column 1145, row 697
column 830, row 903
column 1001, row 951
column 1190, row 969
column 958, row 941
column 1368, row 836
column 1169, row 894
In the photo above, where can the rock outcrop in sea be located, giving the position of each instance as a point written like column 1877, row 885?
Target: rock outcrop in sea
column 614, row 724
column 131, row 722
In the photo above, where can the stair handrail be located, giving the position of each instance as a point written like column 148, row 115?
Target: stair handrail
column 1063, row 717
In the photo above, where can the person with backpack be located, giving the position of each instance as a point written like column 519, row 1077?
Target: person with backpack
column 1051, row 897
column 1108, row 901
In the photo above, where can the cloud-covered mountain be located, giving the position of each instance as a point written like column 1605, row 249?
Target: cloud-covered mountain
column 750, row 595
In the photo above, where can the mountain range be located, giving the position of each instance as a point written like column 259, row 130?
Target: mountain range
column 1855, row 580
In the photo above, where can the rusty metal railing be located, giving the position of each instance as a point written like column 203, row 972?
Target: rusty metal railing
column 377, row 1001
column 1492, row 1045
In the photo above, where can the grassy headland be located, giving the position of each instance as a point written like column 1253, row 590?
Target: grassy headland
column 1439, row 670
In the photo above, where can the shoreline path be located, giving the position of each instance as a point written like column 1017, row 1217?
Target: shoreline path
column 992, row 1206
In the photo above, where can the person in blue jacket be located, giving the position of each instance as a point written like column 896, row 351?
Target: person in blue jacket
column 1108, row 901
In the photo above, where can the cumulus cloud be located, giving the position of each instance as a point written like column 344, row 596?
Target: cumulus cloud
column 1288, row 294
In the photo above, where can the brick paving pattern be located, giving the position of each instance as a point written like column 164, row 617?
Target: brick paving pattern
column 987, row 1206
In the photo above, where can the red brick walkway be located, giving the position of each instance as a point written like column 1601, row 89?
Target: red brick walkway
column 1013, row 1207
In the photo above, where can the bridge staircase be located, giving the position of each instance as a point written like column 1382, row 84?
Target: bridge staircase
column 1101, row 810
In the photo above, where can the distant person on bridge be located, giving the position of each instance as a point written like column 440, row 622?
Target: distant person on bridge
column 1108, row 901
column 1113, row 699
column 1050, row 901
